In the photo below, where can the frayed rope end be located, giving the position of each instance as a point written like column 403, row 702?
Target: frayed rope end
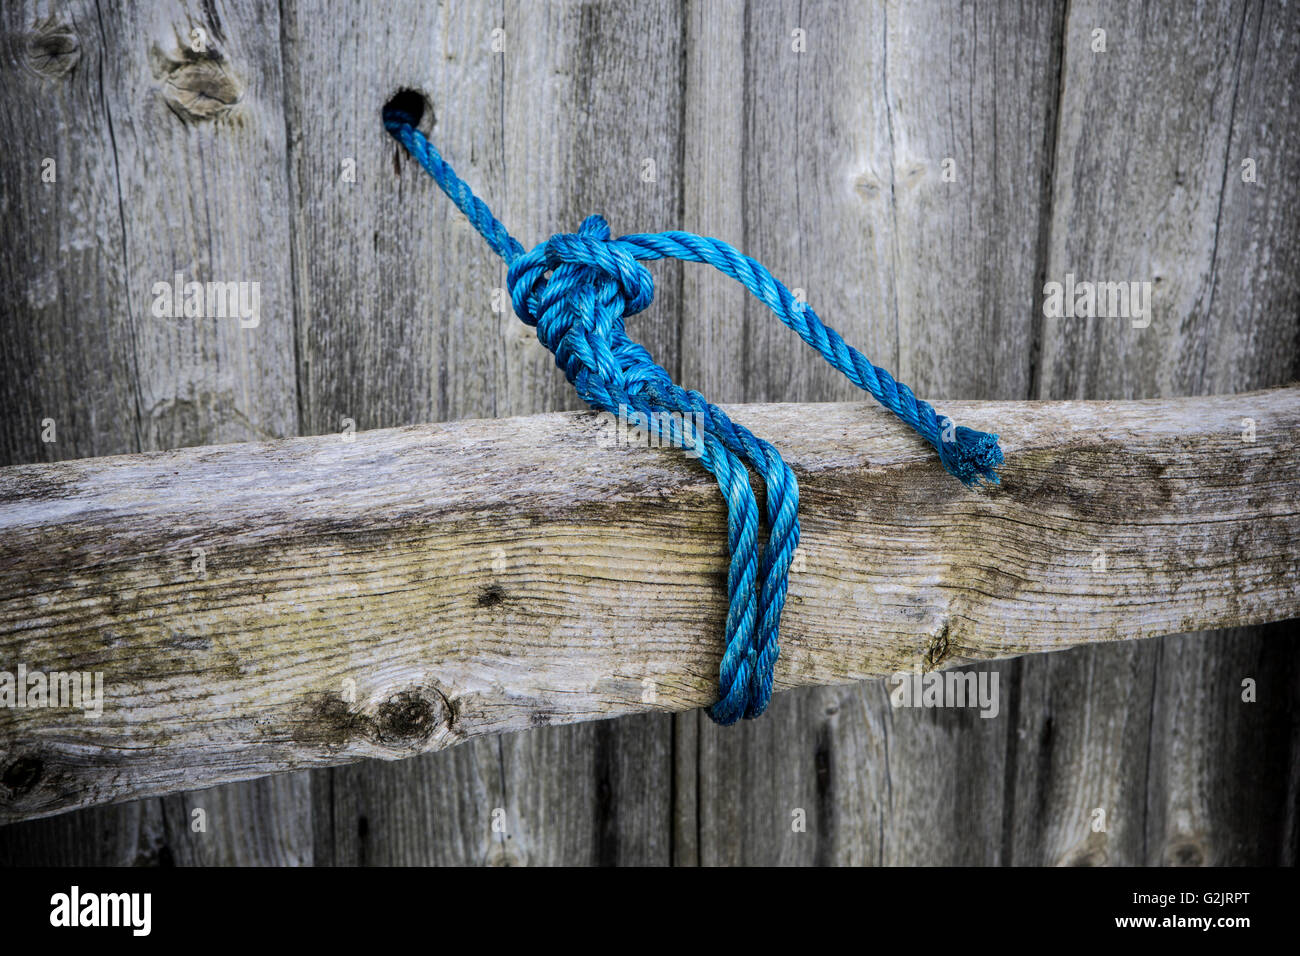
column 971, row 456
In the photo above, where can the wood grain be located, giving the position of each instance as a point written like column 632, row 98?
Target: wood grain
column 170, row 153
column 843, row 148
column 416, row 587
column 546, row 140
column 1148, row 185
column 825, row 165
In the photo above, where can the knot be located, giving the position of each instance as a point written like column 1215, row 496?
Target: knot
column 591, row 247
column 576, row 289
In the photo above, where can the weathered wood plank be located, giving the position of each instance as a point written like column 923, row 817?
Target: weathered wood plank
column 200, row 131
column 61, row 224
column 588, row 794
column 712, row 313
column 813, row 148
column 355, row 602
column 846, row 194
column 1144, row 197
column 531, row 102
column 390, row 280
column 972, row 160
column 166, row 123
column 1148, row 186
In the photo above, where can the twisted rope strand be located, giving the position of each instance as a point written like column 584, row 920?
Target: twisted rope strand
column 577, row 289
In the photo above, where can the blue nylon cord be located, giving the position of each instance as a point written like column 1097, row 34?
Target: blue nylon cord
column 595, row 283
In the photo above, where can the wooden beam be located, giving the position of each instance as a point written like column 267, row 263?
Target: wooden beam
column 260, row 608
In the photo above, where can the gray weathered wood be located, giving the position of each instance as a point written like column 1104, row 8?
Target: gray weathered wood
column 586, row 794
column 412, row 588
column 168, row 159
column 1003, row 64
column 1148, row 185
column 547, row 140
column 389, row 299
column 966, row 317
column 389, row 278
column 844, row 149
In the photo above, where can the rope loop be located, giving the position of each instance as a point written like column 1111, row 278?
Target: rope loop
column 577, row 290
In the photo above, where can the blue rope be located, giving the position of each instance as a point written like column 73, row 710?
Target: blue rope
column 578, row 310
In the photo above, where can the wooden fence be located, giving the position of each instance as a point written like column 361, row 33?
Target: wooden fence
column 920, row 170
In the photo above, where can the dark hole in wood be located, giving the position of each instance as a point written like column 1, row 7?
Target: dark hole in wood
column 411, row 106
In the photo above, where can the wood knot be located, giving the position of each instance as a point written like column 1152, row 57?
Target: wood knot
column 936, row 652
column 404, row 721
column 1185, row 853
column 866, row 186
column 22, row 775
column 409, row 718
column 909, row 174
column 491, row 596
column 197, row 85
column 53, row 49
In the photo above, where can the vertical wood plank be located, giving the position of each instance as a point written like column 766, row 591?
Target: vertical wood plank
column 385, row 270
column 712, row 353
column 266, row 822
column 170, row 150
column 549, row 120
column 1140, row 187
column 1223, row 771
column 971, row 99
column 810, row 164
column 933, row 278
column 420, row 812
column 127, row 834
column 608, row 142
column 1148, row 187
column 970, row 95
column 63, row 284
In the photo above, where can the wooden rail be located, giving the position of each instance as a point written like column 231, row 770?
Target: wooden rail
column 261, row 608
